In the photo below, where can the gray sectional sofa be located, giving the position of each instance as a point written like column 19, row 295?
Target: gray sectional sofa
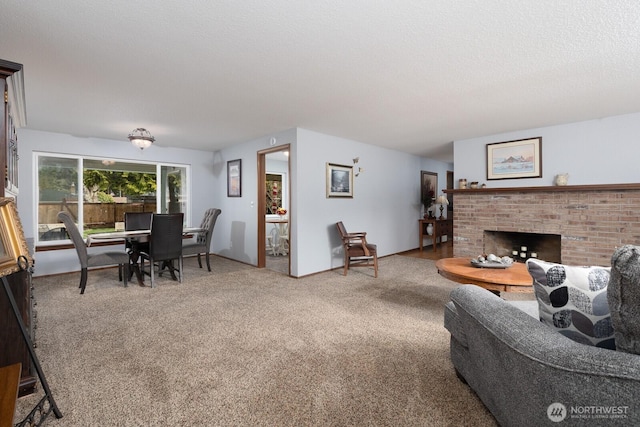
column 527, row 374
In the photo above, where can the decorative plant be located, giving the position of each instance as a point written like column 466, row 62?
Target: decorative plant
column 428, row 196
column 281, row 211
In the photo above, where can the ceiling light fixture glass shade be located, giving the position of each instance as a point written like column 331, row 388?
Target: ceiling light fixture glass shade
column 141, row 138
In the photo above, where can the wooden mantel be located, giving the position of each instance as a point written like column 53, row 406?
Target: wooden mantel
column 597, row 187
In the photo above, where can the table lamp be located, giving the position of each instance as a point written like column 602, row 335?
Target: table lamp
column 442, row 200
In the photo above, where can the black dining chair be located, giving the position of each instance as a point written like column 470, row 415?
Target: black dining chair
column 202, row 243
column 165, row 245
column 137, row 221
column 120, row 258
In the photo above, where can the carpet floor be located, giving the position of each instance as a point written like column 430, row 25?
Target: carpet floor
column 242, row 346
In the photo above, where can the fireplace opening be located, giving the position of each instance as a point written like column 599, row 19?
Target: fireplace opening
column 521, row 246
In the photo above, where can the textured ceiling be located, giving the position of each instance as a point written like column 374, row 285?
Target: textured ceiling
column 409, row 75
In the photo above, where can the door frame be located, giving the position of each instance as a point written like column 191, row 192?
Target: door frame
column 262, row 204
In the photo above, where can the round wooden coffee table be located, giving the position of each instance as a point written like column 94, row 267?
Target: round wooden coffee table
column 513, row 279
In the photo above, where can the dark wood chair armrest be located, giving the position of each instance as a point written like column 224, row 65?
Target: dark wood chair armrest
column 359, row 239
column 359, row 234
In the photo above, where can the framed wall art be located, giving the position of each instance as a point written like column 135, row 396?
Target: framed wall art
column 12, row 242
column 339, row 180
column 234, row 178
column 428, row 189
column 515, row 159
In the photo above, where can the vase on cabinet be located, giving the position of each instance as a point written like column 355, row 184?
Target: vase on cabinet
column 430, row 229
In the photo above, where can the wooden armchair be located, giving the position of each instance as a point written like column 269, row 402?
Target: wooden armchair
column 357, row 252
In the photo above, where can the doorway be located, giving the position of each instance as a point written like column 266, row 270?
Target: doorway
column 274, row 209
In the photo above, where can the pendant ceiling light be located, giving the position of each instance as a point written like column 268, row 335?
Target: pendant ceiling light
column 141, row 138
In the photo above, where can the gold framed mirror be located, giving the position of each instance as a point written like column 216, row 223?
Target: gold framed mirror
column 12, row 242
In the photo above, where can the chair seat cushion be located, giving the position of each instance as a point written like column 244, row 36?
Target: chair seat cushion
column 107, row 258
column 356, row 250
column 193, row 249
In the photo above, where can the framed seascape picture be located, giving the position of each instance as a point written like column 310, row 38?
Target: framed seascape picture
column 428, row 189
column 12, row 242
column 515, row 159
column 234, row 178
column 339, row 180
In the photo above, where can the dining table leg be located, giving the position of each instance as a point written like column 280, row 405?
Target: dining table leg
column 134, row 262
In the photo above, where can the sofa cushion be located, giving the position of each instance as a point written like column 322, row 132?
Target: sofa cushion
column 573, row 300
column 624, row 298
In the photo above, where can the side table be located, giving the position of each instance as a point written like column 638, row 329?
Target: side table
column 441, row 227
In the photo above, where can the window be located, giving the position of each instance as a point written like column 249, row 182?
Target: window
column 97, row 192
column 173, row 194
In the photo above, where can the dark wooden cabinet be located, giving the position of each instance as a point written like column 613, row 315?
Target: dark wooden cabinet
column 12, row 111
column 13, row 349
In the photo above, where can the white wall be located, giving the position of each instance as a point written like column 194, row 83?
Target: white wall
column 386, row 201
column 59, row 261
column 236, row 230
column 604, row 151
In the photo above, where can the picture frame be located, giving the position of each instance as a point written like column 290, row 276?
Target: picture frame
column 428, row 188
column 515, row 159
column 13, row 245
column 339, row 180
column 234, row 178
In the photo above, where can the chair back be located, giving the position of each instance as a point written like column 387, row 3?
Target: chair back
column 137, row 220
column 165, row 242
column 207, row 224
column 342, row 230
column 75, row 236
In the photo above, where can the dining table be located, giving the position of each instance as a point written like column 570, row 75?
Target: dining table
column 135, row 237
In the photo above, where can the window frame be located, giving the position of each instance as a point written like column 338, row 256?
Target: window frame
column 186, row 199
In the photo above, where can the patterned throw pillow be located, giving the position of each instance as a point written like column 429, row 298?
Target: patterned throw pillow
column 573, row 301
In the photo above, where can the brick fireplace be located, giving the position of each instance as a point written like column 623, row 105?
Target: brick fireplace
column 591, row 220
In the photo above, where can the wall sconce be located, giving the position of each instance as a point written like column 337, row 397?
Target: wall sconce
column 141, row 138
column 360, row 170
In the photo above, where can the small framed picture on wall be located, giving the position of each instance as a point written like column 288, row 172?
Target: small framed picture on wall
column 234, row 178
column 339, row 180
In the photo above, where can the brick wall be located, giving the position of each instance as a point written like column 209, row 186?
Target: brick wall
column 592, row 220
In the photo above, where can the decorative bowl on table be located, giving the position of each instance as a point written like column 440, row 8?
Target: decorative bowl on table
column 492, row 261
